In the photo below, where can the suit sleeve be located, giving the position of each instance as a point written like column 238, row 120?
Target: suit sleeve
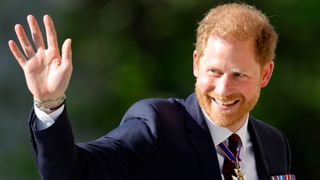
column 120, row 154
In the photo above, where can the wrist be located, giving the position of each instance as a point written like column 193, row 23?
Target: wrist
column 50, row 105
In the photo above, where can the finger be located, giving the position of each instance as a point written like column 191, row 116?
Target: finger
column 35, row 32
column 67, row 52
column 50, row 33
column 17, row 53
column 24, row 41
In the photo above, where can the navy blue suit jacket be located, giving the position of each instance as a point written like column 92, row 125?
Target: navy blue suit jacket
column 157, row 139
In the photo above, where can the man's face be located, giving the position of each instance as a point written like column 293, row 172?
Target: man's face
column 229, row 80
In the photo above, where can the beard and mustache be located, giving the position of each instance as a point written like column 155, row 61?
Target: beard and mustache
column 226, row 117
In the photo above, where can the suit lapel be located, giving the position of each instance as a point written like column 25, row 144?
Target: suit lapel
column 260, row 155
column 199, row 136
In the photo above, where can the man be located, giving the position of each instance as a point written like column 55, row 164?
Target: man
column 207, row 136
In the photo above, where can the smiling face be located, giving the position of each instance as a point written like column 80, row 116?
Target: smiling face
column 229, row 80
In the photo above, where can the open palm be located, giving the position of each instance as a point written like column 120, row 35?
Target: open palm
column 46, row 71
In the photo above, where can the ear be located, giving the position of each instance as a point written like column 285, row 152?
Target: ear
column 266, row 73
column 195, row 64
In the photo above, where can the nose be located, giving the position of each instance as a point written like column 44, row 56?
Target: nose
column 224, row 86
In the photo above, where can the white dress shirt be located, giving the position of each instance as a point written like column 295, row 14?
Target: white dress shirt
column 221, row 134
column 46, row 120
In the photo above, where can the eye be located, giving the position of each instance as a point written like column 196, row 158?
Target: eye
column 214, row 72
column 238, row 74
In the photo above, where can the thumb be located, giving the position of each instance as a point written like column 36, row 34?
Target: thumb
column 66, row 52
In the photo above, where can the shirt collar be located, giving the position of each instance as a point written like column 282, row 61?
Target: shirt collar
column 220, row 134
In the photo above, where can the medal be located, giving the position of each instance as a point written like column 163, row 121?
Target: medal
column 235, row 159
column 237, row 170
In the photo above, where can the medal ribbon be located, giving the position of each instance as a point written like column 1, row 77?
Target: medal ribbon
column 284, row 177
column 227, row 153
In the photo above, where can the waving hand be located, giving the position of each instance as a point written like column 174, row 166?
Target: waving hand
column 47, row 72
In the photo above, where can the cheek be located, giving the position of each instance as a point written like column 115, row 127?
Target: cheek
column 205, row 84
column 250, row 91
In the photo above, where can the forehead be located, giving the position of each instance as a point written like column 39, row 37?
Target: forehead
column 229, row 54
column 218, row 43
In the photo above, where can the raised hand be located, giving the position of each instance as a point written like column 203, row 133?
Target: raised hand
column 47, row 72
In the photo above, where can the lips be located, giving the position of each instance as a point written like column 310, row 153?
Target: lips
column 226, row 104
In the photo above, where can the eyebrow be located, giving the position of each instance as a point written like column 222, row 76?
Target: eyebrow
column 236, row 70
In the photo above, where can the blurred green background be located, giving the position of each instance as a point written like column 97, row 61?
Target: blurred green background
column 125, row 50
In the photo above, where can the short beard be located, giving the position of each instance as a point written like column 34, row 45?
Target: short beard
column 226, row 118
